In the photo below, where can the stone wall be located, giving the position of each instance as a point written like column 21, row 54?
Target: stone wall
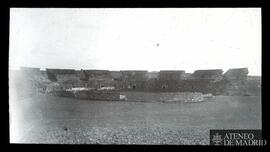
column 171, row 75
column 214, row 75
column 61, row 71
column 254, row 86
column 236, row 74
column 233, row 82
column 133, row 80
column 67, row 78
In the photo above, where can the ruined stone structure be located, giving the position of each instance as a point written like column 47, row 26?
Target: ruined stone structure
column 56, row 81
column 169, row 80
column 214, row 75
column 202, row 81
column 236, row 81
column 133, row 80
column 66, row 78
column 171, row 75
column 96, row 78
column 254, row 85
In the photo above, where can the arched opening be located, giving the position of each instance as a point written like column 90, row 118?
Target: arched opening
column 134, row 86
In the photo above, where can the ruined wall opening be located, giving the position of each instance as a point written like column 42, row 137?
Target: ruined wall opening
column 163, row 86
column 51, row 77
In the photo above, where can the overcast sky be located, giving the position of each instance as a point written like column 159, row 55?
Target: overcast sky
column 136, row 38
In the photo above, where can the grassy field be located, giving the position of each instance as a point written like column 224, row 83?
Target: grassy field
column 49, row 119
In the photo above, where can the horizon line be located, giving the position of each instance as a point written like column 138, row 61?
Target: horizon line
column 44, row 69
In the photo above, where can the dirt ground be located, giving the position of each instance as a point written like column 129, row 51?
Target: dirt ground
column 49, row 119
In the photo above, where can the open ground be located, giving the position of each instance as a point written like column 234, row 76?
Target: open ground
column 59, row 120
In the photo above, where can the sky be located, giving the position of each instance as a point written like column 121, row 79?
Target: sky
column 150, row 39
